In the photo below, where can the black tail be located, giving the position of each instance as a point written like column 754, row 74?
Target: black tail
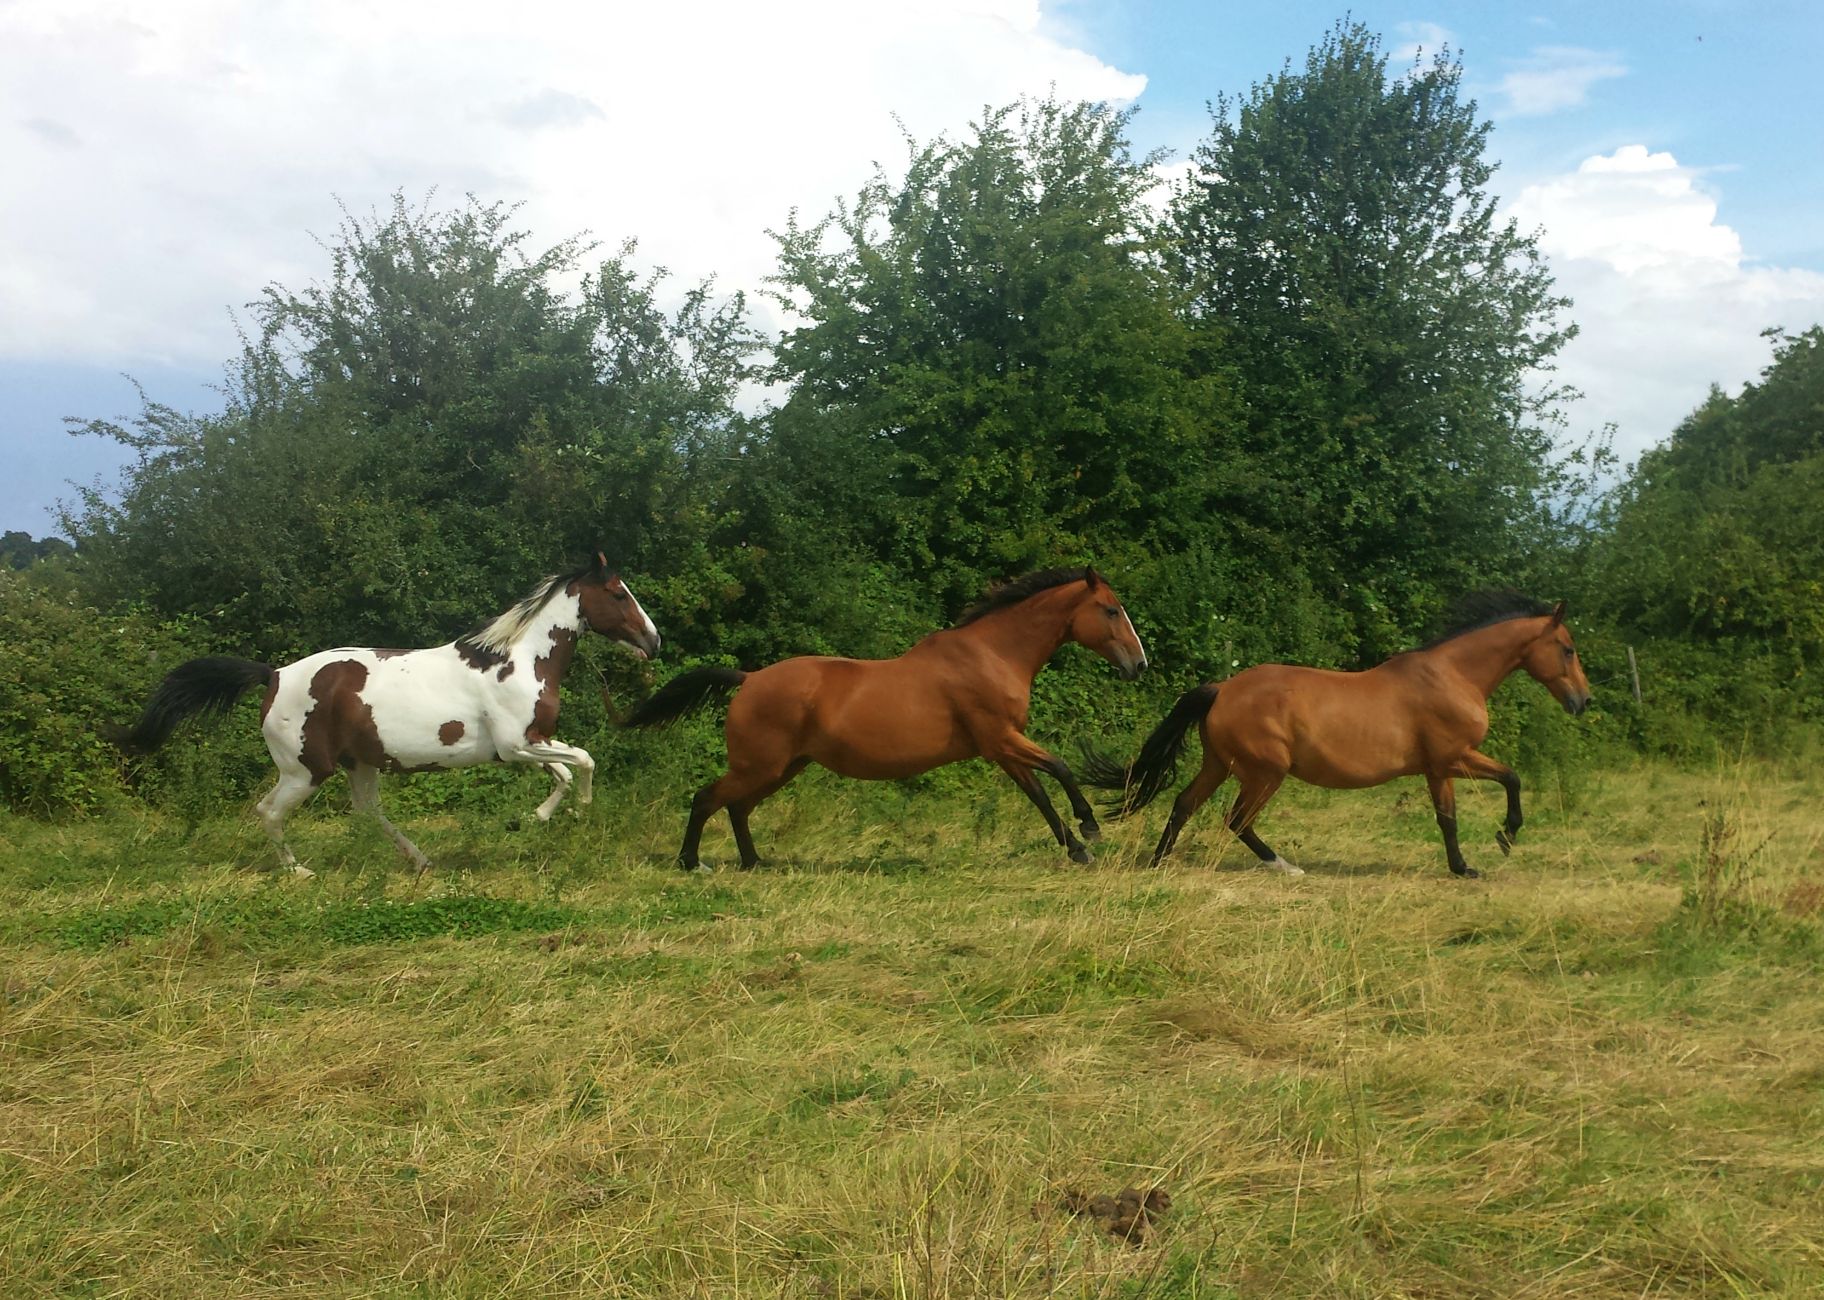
column 207, row 685
column 683, row 693
column 1141, row 780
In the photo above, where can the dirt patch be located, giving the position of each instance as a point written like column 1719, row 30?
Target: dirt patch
column 1126, row 1216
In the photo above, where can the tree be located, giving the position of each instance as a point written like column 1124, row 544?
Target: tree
column 1388, row 328
column 989, row 371
column 410, row 442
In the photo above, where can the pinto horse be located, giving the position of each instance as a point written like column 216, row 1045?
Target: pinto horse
column 959, row 693
column 1420, row 713
column 489, row 696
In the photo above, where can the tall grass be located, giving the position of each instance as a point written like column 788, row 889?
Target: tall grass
column 877, row 1066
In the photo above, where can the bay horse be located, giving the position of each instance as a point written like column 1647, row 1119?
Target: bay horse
column 489, row 696
column 960, row 693
column 1423, row 712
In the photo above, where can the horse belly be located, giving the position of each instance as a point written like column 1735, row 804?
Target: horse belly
column 886, row 729
column 1354, row 752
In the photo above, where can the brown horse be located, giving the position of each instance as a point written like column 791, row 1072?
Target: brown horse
column 957, row 694
column 1420, row 713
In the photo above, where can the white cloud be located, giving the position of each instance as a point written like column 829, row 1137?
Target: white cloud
column 1665, row 299
column 1419, row 39
column 167, row 161
column 1553, row 78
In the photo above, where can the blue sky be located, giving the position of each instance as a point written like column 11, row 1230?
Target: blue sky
column 167, row 162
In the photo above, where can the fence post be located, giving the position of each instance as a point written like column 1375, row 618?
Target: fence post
column 1634, row 674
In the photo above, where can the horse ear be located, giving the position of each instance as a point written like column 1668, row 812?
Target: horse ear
column 1558, row 614
column 1093, row 578
column 601, row 565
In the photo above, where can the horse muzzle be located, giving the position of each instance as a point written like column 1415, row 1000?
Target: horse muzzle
column 646, row 645
column 1130, row 669
column 1577, row 705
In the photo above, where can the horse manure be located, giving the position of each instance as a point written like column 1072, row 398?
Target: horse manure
column 1125, row 1216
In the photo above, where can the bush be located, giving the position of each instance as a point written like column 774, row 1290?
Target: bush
column 68, row 674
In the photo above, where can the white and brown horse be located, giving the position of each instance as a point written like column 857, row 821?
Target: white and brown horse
column 490, row 696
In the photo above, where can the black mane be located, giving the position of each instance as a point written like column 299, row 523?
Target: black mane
column 1015, row 590
column 1480, row 609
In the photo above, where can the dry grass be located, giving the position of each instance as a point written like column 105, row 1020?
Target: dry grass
column 873, row 1069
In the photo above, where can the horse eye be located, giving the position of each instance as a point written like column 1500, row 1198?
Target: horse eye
column 1111, row 610
column 620, row 595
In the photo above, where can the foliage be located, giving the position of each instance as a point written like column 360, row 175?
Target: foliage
column 69, row 674
column 1386, row 325
column 409, row 444
column 992, row 344
column 1712, row 555
column 20, row 550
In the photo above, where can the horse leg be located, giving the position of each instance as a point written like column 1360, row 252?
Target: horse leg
column 738, row 810
column 1023, row 777
column 561, row 775
column 1444, row 799
column 1249, row 801
column 364, row 790
column 295, row 785
column 1079, row 806
column 1208, row 780
column 1479, row 765
column 548, row 754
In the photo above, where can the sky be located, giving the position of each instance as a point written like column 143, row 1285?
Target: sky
column 163, row 163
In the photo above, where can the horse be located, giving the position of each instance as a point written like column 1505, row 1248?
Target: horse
column 488, row 696
column 1423, row 712
column 961, row 692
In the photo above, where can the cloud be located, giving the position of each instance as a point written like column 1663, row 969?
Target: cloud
column 1419, row 39
column 1553, row 78
column 218, row 133
column 1666, row 299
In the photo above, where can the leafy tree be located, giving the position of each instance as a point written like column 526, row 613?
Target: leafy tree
column 989, row 371
column 1387, row 326
column 1718, row 535
column 20, row 550
column 409, row 442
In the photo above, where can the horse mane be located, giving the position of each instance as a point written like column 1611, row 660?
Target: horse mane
column 1013, row 591
column 1480, row 609
column 500, row 632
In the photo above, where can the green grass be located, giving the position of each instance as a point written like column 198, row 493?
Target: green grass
column 874, row 1067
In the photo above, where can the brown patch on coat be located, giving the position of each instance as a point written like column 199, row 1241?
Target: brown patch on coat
column 340, row 731
column 506, row 671
column 480, row 658
column 549, row 669
column 451, row 732
column 388, row 654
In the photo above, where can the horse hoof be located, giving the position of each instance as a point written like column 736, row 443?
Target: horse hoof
column 696, row 868
column 301, row 871
column 1081, row 854
column 1505, row 841
column 1468, row 873
column 1090, row 830
column 1285, row 868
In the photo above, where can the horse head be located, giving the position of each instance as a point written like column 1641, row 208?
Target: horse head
column 610, row 609
column 1100, row 623
column 1551, row 660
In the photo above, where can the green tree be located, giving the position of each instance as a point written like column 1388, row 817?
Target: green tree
column 1387, row 326
column 409, row 442
column 988, row 370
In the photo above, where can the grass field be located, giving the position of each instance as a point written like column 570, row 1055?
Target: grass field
column 878, row 1066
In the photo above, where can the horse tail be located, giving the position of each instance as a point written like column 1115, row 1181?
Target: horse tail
column 207, row 685
column 1141, row 780
column 688, row 691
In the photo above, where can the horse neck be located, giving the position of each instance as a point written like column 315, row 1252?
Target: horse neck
column 1030, row 633
column 545, row 636
column 1487, row 656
